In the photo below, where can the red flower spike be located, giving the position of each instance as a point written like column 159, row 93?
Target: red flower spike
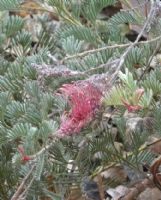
column 24, row 158
column 131, row 108
column 83, row 99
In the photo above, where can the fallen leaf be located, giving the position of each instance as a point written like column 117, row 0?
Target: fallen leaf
column 150, row 194
column 118, row 192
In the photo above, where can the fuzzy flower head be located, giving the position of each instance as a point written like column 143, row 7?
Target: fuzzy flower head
column 131, row 108
column 83, row 99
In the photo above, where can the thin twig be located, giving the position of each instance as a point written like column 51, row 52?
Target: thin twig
column 41, row 151
column 23, row 195
column 54, row 137
column 85, row 53
column 135, row 7
column 124, row 55
column 150, row 60
column 152, row 143
column 102, row 66
column 22, row 185
column 143, row 148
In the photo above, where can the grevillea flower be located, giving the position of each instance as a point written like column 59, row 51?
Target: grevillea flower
column 131, row 108
column 24, row 158
column 84, row 99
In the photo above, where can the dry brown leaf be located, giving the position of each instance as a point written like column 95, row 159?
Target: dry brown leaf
column 28, row 7
column 156, row 173
column 116, row 172
column 142, row 9
column 32, row 7
column 117, row 192
column 75, row 194
column 150, row 194
column 137, row 189
column 109, row 11
column 156, row 147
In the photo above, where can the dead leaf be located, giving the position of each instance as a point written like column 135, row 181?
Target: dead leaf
column 156, row 173
column 109, row 11
column 28, row 7
column 116, row 173
column 117, row 192
column 137, row 189
column 150, row 194
column 156, row 146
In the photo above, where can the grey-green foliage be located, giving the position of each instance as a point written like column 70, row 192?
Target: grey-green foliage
column 126, row 17
column 90, row 61
column 24, row 108
column 72, row 45
column 126, row 92
column 9, row 4
column 90, row 9
column 11, row 25
column 31, row 107
column 153, row 82
column 80, row 32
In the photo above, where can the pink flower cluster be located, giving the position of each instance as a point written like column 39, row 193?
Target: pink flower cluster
column 136, row 98
column 131, row 108
column 84, row 99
